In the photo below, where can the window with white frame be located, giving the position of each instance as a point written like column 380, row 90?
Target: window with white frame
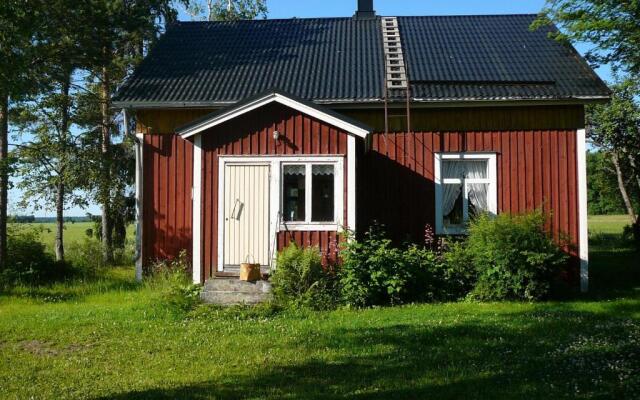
column 465, row 186
column 311, row 194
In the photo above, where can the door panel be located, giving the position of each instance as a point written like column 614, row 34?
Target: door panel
column 246, row 214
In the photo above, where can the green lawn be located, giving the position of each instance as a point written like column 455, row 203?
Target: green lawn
column 113, row 339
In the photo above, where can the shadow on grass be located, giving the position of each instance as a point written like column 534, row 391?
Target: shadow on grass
column 614, row 267
column 76, row 289
column 517, row 355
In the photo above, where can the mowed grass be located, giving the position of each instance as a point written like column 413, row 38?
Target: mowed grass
column 114, row 339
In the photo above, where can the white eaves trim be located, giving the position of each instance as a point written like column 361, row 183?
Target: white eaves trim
column 277, row 98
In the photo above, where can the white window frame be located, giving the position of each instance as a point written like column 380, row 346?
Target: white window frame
column 492, row 192
column 338, row 195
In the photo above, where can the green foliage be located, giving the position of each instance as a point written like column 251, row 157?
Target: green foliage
column 610, row 26
column 227, row 10
column 299, row 279
column 603, row 194
column 374, row 272
column 86, row 256
column 29, row 262
column 616, row 125
column 514, row 257
column 458, row 274
column 171, row 278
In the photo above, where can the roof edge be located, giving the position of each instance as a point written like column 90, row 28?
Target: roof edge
column 423, row 102
column 320, row 112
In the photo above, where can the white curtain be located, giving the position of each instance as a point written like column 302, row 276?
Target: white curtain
column 477, row 192
column 322, row 169
column 451, row 169
column 294, row 169
column 478, row 196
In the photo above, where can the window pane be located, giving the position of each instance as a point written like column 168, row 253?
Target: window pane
column 459, row 169
column 293, row 193
column 477, row 195
column 452, row 204
column 322, row 198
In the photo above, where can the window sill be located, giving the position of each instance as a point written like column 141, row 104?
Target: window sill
column 298, row 226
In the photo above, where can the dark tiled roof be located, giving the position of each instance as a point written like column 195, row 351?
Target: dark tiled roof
column 341, row 60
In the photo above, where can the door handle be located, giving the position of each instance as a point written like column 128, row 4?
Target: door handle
column 237, row 210
column 233, row 212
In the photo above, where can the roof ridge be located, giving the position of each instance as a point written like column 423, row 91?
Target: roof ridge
column 351, row 18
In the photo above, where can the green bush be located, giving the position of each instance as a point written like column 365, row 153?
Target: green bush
column 171, row 277
column 85, row 256
column 29, row 262
column 458, row 275
column 374, row 272
column 514, row 257
column 299, row 279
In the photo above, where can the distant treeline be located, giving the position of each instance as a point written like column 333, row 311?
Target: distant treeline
column 31, row 219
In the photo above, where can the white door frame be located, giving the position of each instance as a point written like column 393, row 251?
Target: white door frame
column 275, row 163
column 223, row 162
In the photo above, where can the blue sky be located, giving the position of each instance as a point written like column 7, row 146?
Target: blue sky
column 344, row 8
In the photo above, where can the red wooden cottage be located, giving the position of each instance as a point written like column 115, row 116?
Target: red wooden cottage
column 253, row 134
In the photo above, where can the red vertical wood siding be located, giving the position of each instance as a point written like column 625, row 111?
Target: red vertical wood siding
column 535, row 169
column 252, row 134
column 167, row 211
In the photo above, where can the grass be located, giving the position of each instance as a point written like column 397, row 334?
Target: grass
column 73, row 231
column 113, row 339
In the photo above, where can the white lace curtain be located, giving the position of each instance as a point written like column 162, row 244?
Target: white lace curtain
column 294, row 169
column 477, row 192
column 322, row 169
column 451, row 169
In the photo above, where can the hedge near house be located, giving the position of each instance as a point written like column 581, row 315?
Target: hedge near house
column 513, row 256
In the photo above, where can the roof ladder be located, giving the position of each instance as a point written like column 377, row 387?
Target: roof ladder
column 396, row 76
column 396, row 72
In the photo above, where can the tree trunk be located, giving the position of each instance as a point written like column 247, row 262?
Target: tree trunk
column 634, row 167
column 107, row 245
column 60, row 222
column 623, row 190
column 60, row 186
column 4, row 176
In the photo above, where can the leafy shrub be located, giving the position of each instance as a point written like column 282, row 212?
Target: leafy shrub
column 514, row 258
column 171, row 277
column 85, row 256
column 374, row 272
column 299, row 279
column 29, row 262
column 457, row 273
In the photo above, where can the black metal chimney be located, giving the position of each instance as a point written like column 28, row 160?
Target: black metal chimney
column 365, row 10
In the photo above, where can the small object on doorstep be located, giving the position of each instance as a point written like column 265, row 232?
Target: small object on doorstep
column 250, row 272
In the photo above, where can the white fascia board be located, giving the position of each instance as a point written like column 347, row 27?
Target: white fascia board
column 197, row 211
column 583, row 222
column 278, row 98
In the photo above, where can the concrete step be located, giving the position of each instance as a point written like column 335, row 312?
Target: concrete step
column 234, row 298
column 232, row 291
column 236, row 285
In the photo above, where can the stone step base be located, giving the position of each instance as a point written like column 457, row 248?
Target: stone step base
column 232, row 291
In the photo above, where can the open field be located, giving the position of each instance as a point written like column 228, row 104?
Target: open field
column 73, row 231
column 612, row 224
column 114, row 339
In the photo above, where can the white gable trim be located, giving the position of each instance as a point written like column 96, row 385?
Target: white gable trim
column 277, row 98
